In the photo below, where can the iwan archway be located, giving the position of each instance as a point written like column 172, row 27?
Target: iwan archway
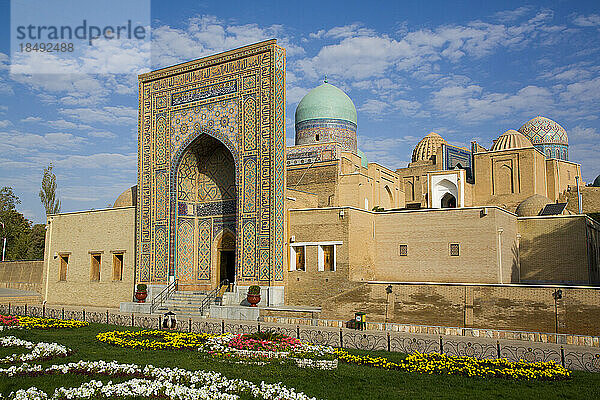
column 206, row 205
column 211, row 170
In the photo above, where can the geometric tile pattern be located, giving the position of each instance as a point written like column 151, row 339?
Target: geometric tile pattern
column 327, row 130
column 250, row 185
column 161, row 251
column 312, row 153
column 279, row 178
column 204, row 244
column 547, row 136
column 185, row 249
column 238, row 99
column 249, row 248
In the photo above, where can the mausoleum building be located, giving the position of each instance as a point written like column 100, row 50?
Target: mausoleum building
column 219, row 197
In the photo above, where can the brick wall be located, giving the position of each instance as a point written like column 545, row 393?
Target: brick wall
column 23, row 275
column 78, row 235
column 554, row 250
column 483, row 307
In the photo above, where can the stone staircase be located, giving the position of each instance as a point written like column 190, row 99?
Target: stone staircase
column 185, row 303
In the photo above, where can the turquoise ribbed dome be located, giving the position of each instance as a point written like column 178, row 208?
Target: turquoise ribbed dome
column 596, row 182
column 326, row 101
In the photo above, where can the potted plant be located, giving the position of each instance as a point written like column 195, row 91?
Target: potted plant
column 141, row 293
column 253, row 295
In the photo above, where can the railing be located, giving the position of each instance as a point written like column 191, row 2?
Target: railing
column 164, row 295
column 212, row 295
column 583, row 358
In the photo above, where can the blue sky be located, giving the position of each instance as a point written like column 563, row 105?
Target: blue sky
column 466, row 70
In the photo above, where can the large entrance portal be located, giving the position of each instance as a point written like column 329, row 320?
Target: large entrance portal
column 206, row 210
column 212, row 161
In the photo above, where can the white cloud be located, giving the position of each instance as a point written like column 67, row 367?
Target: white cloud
column 32, row 119
column 389, row 152
column 5, row 123
column 512, row 15
column 364, row 54
column 207, row 35
column 587, row 20
column 62, row 124
column 102, row 134
column 294, row 94
column 471, row 104
column 584, row 134
column 108, row 115
column 582, row 91
column 23, row 142
column 374, row 107
column 100, row 160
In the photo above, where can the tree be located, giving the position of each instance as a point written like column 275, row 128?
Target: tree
column 8, row 199
column 23, row 242
column 48, row 192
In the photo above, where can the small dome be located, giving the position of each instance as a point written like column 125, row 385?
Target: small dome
column 532, row 205
column 127, row 198
column 596, row 182
column 326, row 101
column 542, row 130
column 427, row 147
column 511, row 139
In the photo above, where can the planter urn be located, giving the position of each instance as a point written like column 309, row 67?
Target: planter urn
column 141, row 296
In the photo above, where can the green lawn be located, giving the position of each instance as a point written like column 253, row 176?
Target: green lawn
column 347, row 382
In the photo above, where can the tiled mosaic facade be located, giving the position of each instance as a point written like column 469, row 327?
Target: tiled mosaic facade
column 299, row 155
column 211, row 157
column 323, row 130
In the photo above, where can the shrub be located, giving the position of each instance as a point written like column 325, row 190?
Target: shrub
column 254, row 289
column 142, row 287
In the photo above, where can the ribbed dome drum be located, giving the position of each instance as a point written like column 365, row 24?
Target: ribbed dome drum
column 427, row 147
column 511, row 139
column 326, row 114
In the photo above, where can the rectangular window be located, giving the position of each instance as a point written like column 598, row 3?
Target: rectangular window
column 403, row 250
column 95, row 267
column 326, row 257
column 454, row 249
column 298, row 258
column 64, row 263
column 117, row 267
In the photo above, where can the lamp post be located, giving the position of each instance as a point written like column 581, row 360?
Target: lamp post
column 388, row 291
column 557, row 296
column 4, row 241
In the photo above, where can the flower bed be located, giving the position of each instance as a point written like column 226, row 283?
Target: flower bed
column 149, row 381
column 261, row 345
column 272, row 346
column 17, row 322
column 39, row 351
column 435, row 363
column 154, row 339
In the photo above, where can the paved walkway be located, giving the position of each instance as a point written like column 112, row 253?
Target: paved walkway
column 6, row 292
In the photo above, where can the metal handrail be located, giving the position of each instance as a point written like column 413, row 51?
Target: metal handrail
column 164, row 295
column 212, row 295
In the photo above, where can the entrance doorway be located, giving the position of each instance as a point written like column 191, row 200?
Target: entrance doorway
column 448, row 201
column 226, row 257
column 227, row 268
